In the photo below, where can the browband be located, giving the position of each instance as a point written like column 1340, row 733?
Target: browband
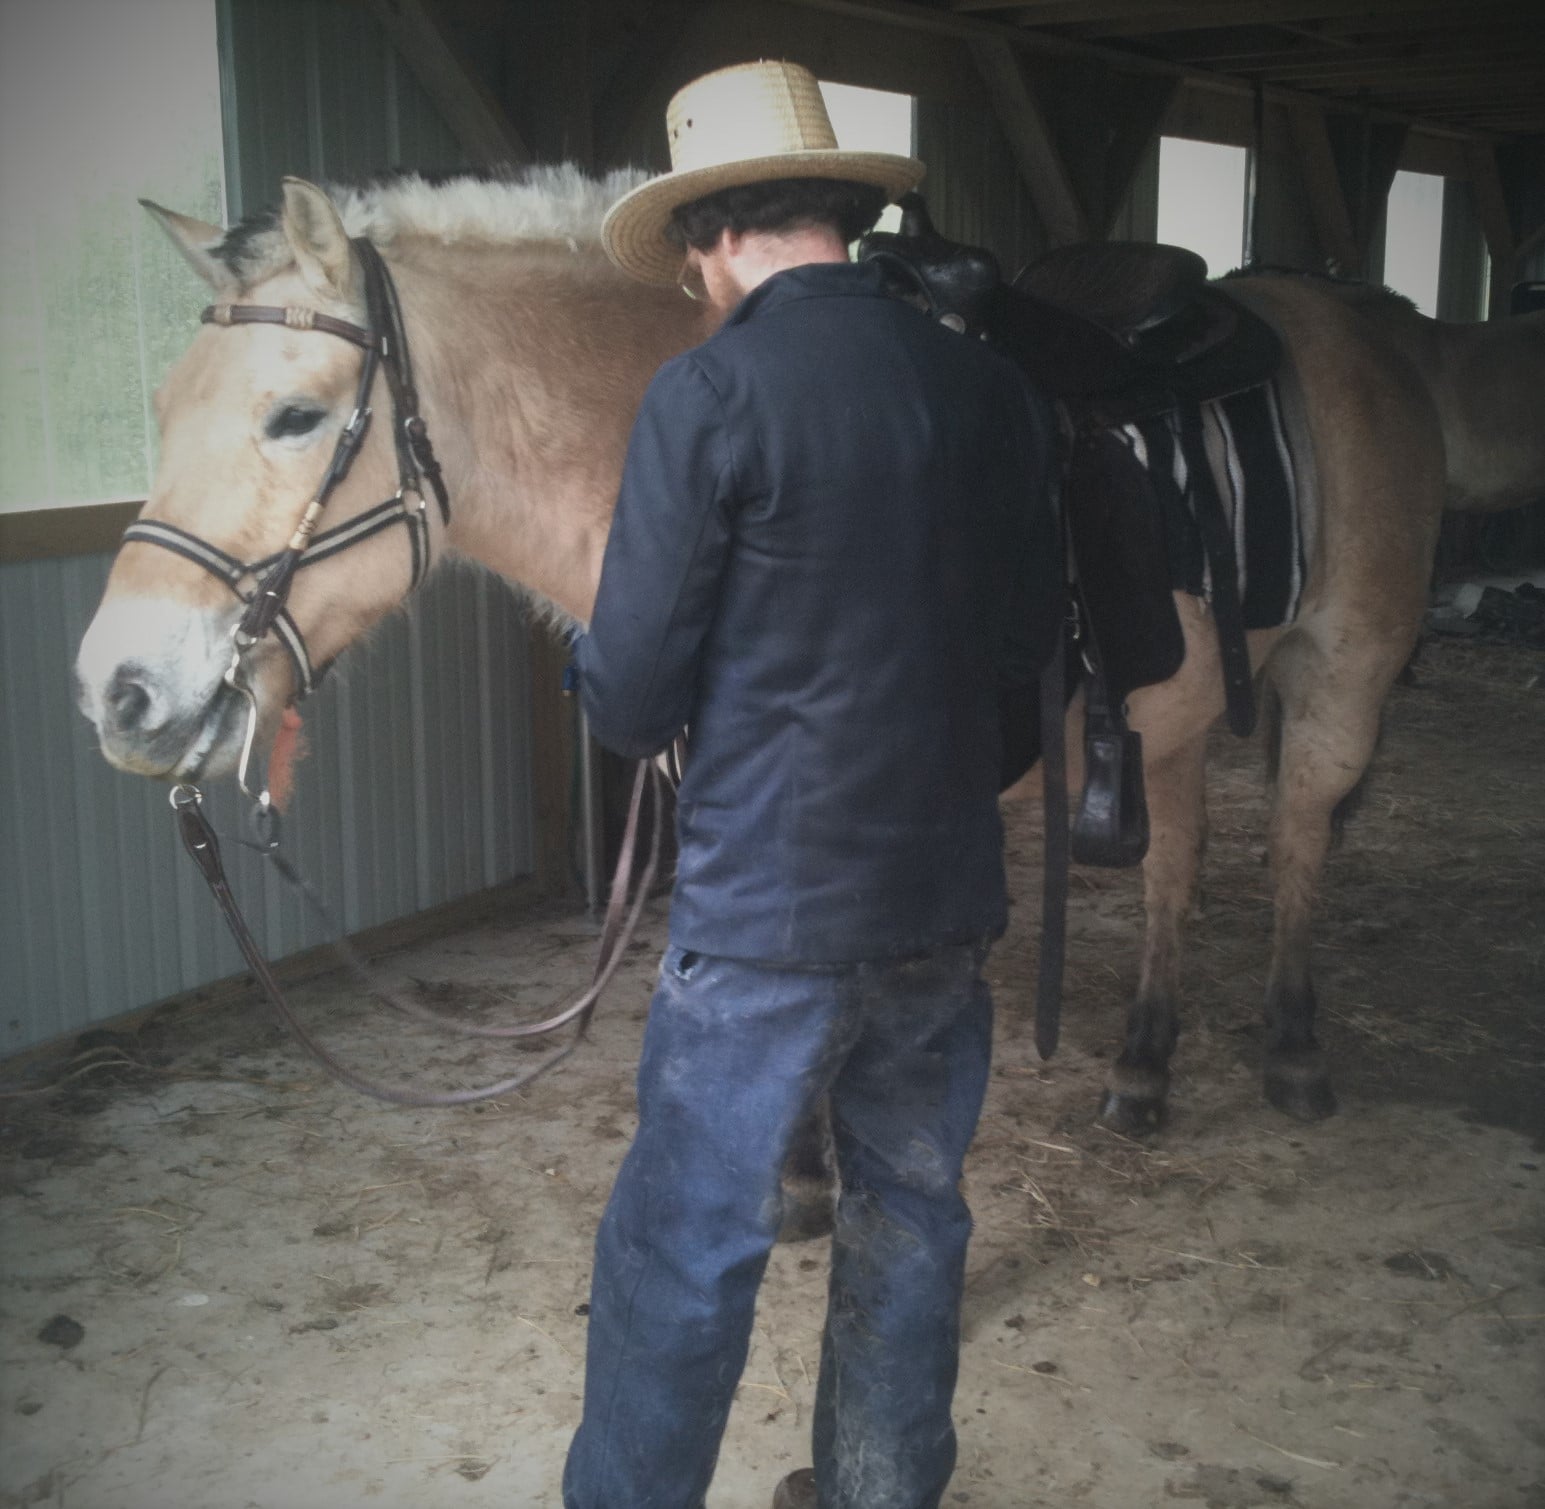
column 293, row 317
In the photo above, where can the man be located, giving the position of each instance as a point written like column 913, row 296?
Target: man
column 833, row 531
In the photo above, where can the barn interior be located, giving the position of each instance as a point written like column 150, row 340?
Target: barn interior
column 231, row 1282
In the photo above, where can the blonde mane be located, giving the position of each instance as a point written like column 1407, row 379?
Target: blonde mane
column 544, row 203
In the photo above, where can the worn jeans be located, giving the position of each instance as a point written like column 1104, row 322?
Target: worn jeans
column 734, row 1054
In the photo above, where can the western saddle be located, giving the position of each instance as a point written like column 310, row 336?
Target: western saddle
column 1114, row 330
column 1113, row 333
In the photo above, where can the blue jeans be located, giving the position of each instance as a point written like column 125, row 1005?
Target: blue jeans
column 734, row 1055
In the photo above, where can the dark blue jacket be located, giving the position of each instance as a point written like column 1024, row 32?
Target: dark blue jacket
column 833, row 543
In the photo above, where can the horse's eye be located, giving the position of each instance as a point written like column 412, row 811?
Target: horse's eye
column 290, row 420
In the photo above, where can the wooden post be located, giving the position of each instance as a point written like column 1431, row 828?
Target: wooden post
column 1496, row 224
column 552, row 763
column 1144, row 102
column 1327, row 202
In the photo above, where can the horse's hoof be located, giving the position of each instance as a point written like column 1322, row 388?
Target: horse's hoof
column 1132, row 1115
column 809, row 1211
column 1136, row 1097
column 1299, row 1084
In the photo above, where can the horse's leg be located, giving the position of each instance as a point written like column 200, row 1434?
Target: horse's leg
column 1329, row 725
column 1173, row 719
column 1373, row 500
column 810, row 1179
column 1138, row 1084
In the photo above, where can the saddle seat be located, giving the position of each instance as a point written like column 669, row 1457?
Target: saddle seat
column 1129, row 287
column 1115, row 330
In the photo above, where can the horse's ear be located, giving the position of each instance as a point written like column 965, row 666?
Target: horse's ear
column 196, row 240
column 316, row 235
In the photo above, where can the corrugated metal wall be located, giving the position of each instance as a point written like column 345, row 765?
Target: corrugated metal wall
column 417, row 789
column 313, row 87
column 974, row 189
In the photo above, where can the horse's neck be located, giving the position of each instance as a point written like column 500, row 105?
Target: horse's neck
column 531, row 364
column 1488, row 383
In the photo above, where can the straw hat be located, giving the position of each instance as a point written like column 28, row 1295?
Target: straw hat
column 751, row 123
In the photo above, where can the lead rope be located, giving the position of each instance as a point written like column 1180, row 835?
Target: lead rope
column 621, row 920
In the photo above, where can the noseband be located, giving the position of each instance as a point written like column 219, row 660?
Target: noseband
column 385, row 345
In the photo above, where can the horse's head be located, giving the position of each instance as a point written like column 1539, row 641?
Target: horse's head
column 249, row 419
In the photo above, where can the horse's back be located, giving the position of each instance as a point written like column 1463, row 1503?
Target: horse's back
column 1366, row 441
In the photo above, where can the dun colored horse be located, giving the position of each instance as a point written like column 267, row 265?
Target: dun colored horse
column 531, row 355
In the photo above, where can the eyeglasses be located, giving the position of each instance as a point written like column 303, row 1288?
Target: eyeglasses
column 690, row 279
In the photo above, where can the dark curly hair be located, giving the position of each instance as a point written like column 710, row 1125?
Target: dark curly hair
column 780, row 205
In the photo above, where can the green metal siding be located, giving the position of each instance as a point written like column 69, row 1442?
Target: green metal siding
column 312, row 88
column 415, row 791
column 974, row 189
column 417, row 787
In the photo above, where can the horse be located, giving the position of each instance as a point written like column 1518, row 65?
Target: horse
column 1485, row 381
column 532, row 354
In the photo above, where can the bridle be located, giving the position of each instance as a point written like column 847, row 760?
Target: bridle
column 385, row 345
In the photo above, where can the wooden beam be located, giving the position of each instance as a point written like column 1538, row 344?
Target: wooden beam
column 1147, row 102
column 1040, row 163
column 40, row 534
column 1490, row 200
column 1426, row 13
column 1351, row 72
column 1322, row 183
column 1530, row 244
column 912, row 17
column 1367, row 153
column 472, row 114
column 1510, row 41
column 1112, row 18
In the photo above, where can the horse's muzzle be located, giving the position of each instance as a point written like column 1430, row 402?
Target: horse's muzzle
column 142, row 728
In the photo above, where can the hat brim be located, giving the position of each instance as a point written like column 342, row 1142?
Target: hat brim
column 634, row 231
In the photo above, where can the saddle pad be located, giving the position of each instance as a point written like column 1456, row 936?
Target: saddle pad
column 1259, row 488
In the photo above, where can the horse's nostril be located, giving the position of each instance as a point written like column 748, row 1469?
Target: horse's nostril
column 126, row 698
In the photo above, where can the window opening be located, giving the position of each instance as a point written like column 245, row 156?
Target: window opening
column 1413, row 238
column 871, row 120
column 1202, row 200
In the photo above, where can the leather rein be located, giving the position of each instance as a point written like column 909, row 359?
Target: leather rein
column 385, row 348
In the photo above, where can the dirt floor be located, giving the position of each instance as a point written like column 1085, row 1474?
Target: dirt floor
column 231, row 1285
